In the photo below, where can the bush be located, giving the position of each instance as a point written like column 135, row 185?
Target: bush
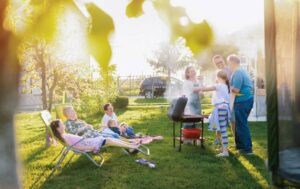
column 89, row 105
column 121, row 102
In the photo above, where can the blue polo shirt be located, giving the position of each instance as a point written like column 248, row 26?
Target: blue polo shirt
column 241, row 80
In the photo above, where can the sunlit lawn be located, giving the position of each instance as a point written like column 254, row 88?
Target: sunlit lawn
column 190, row 169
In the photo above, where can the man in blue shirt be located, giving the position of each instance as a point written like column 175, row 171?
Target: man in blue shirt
column 242, row 88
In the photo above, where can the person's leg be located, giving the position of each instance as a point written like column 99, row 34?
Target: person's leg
column 247, row 137
column 222, row 113
column 238, row 126
column 130, row 131
column 242, row 128
column 217, row 140
column 232, row 122
column 120, row 143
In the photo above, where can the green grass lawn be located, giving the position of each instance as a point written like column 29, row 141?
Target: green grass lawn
column 192, row 168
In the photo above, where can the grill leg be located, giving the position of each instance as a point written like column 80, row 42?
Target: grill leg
column 174, row 134
column 180, row 141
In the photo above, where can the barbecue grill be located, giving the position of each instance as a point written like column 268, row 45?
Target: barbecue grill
column 176, row 114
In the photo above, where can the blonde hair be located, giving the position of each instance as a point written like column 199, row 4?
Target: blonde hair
column 67, row 110
column 110, row 123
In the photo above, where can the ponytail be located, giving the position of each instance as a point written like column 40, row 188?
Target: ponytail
column 228, row 85
column 223, row 75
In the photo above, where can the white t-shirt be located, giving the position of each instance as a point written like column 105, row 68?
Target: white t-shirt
column 106, row 119
column 188, row 87
column 221, row 94
column 187, row 90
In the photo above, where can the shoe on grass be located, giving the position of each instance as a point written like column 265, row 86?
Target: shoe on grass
column 248, row 153
column 219, row 150
column 223, row 154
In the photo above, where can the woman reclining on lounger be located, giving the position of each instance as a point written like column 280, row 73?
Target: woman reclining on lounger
column 88, row 144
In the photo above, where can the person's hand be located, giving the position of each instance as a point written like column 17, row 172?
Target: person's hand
column 122, row 130
column 200, row 77
column 115, row 135
column 89, row 126
column 198, row 89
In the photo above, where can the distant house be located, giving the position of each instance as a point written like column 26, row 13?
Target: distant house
column 30, row 97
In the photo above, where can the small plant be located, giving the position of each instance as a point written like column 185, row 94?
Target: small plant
column 121, row 102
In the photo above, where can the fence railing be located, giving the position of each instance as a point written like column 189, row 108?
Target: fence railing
column 130, row 85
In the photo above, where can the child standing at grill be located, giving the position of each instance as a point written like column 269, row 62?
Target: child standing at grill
column 220, row 116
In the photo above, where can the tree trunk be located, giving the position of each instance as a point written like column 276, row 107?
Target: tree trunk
column 44, row 80
column 169, row 76
column 9, row 76
column 51, row 91
column 44, row 96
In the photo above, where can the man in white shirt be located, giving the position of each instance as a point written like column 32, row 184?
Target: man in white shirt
column 110, row 116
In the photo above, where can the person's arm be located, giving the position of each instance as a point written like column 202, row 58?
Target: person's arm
column 232, row 99
column 71, row 128
column 210, row 88
column 105, row 120
column 116, row 118
column 74, row 128
column 237, row 82
column 197, row 89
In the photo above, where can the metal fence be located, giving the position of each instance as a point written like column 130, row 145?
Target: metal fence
column 130, row 85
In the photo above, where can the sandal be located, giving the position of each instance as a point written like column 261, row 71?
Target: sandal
column 146, row 162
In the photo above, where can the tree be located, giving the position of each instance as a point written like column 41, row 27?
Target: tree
column 108, row 84
column 170, row 58
column 40, row 63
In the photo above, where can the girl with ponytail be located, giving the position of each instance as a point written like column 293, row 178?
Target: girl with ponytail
column 219, row 118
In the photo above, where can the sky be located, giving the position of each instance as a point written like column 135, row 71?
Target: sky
column 135, row 38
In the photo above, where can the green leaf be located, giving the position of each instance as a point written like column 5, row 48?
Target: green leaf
column 98, row 39
column 198, row 36
column 135, row 8
column 45, row 17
